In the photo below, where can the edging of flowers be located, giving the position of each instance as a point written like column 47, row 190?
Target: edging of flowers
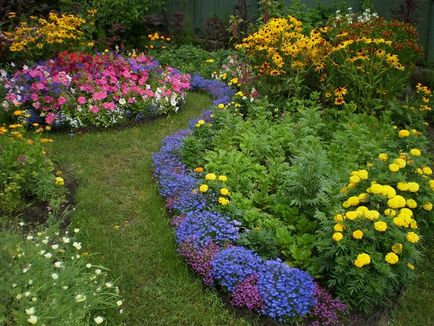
column 206, row 239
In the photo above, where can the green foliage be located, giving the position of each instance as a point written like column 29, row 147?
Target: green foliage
column 192, row 59
column 26, row 174
column 46, row 279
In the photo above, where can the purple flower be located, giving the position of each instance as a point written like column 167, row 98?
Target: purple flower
column 327, row 309
column 246, row 294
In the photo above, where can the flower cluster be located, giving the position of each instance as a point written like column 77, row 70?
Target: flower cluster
column 73, row 90
column 327, row 309
column 49, row 35
column 50, row 278
column 157, row 41
column 219, row 90
column 206, row 238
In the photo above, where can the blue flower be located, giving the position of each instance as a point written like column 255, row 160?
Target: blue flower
column 287, row 292
column 234, row 264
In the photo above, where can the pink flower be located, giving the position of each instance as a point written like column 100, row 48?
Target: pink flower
column 81, row 100
column 34, row 97
column 98, row 96
column 94, row 109
column 36, row 105
column 62, row 100
column 50, row 118
column 109, row 106
column 131, row 100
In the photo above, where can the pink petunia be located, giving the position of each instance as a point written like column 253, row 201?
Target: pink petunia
column 98, row 96
column 34, row 96
column 36, row 105
column 50, row 118
column 62, row 100
column 81, row 100
column 94, row 109
column 109, row 106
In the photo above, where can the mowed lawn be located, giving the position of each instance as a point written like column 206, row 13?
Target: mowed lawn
column 123, row 221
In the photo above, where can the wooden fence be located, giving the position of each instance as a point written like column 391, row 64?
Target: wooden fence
column 197, row 14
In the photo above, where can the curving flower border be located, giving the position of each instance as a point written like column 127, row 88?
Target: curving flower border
column 206, row 239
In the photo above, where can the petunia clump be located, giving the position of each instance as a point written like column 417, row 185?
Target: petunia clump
column 73, row 90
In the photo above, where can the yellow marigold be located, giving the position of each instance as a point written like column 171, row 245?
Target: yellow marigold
column 354, row 179
column 357, row 234
column 59, row 181
column 397, row 248
column 388, row 191
column 338, row 227
column 400, row 162
column 413, row 186
column 362, row 260
column 431, row 184
column 380, row 226
column 339, row 218
column 394, row 167
column 427, row 206
column 203, row 188
column 403, row 186
column 390, row 212
column 223, row 178
column 406, row 212
column 353, row 201
column 412, row 237
column 383, row 156
column 404, row 133
column 362, row 210
column 224, row 191
column 210, row 177
column 221, row 106
column 351, row 215
column 415, row 152
column 411, row 203
column 223, row 201
column 427, row 170
column 198, row 169
column 201, row 122
column 337, row 236
column 396, row 202
column 372, row 215
column 392, row 258
column 363, row 174
column 363, row 197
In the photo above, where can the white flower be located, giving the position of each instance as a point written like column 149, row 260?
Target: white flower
column 25, row 270
column 58, row 264
column 19, row 296
column 66, row 239
column 80, row 298
column 42, row 252
column 31, row 311
column 34, row 299
column 21, row 224
column 98, row 320
column 98, row 271
column 55, row 246
column 77, row 245
column 48, row 255
column 88, row 265
column 26, row 294
column 14, row 285
column 108, row 284
column 65, row 287
column 30, row 282
column 45, row 241
column 32, row 319
column 39, row 234
column 122, row 101
column 29, row 237
column 54, row 276
column 76, row 230
column 119, row 303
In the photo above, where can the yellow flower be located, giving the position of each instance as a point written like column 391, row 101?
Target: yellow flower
column 412, row 237
column 224, row 191
column 354, row 179
column 415, row 152
column 353, row 201
column 362, row 260
column 201, row 122
column 410, row 265
column 404, row 133
column 210, row 177
column 59, row 181
column 210, row 60
column 198, row 169
column 411, row 203
column 351, row 215
column 427, row 206
column 392, row 258
column 394, row 167
column 400, row 162
column 383, row 156
column 390, row 212
column 357, row 234
column 413, row 186
column 223, row 178
column 338, row 236
column 380, row 226
column 403, row 186
column 426, row 170
column 203, row 188
column 339, row 218
column 396, row 202
column 372, row 215
column 397, row 248
column 221, row 106
column 431, row 184
column 223, row 201
column 338, row 227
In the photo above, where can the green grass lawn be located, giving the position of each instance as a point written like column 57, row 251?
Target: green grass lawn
column 122, row 218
